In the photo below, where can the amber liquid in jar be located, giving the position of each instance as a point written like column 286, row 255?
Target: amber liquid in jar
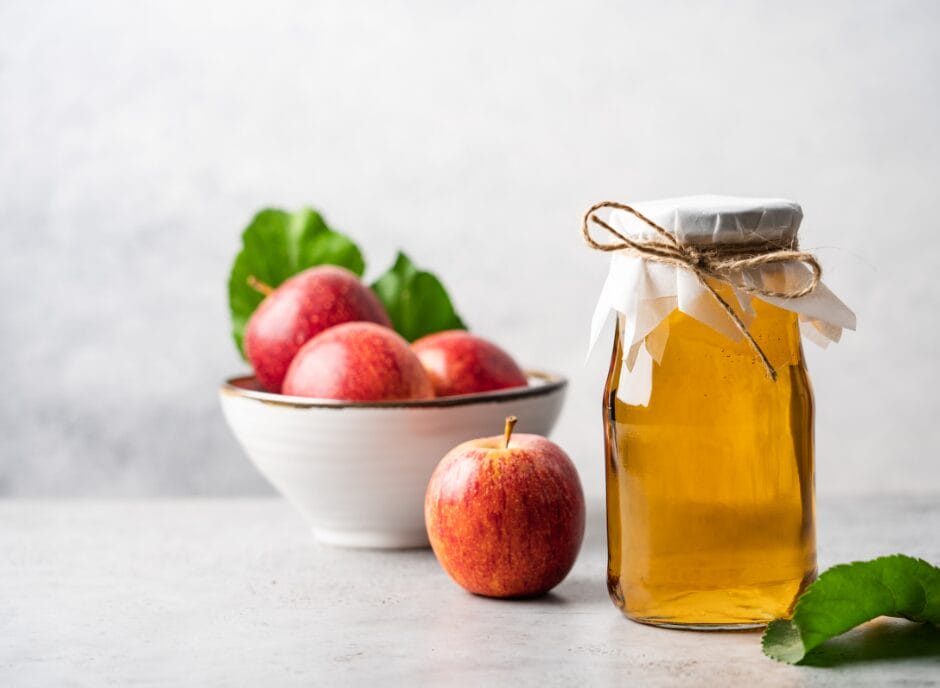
column 710, row 492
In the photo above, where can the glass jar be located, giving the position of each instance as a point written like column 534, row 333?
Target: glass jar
column 709, row 436
column 710, row 509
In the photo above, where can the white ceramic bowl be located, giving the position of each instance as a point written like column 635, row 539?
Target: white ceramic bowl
column 358, row 471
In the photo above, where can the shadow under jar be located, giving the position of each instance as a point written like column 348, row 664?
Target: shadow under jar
column 708, row 435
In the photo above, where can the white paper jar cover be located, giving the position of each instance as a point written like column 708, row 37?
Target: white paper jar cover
column 644, row 293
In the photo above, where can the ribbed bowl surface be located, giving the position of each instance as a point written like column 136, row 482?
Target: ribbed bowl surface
column 358, row 471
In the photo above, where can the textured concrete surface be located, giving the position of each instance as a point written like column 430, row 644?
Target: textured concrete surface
column 235, row 592
column 137, row 139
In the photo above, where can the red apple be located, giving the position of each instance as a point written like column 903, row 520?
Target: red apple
column 461, row 363
column 298, row 310
column 357, row 361
column 506, row 516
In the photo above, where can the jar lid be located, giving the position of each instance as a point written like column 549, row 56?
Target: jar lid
column 644, row 290
column 715, row 219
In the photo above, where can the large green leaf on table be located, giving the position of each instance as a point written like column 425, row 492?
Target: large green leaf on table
column 416, row 301
column 277, row 245
column 850, row 594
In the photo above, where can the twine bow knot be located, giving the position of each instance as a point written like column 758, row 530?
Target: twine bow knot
column 724, row 262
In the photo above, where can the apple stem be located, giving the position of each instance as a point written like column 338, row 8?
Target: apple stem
column 510, row 424
column 259, row 286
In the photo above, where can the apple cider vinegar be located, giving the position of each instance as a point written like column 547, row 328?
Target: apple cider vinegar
column 708, row 410
column 710, row 507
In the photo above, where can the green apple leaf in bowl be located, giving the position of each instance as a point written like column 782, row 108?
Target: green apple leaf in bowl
column 416, row 300
column 277, row 245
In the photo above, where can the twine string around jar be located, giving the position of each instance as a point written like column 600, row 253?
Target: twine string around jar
column 720, row 261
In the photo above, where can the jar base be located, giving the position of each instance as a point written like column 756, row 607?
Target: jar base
column 724, row 610
column 672, row 625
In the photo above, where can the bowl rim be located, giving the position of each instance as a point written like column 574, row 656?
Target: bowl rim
column 549, row 383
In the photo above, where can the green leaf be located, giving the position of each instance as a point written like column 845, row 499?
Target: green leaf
column 277, row 245
column 850, row 594
column 416, row 301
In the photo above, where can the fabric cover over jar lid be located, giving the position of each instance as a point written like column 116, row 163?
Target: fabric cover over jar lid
column 715, row 219
column 644, row 292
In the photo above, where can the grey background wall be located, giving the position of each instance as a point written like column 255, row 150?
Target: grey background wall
column 137, row 139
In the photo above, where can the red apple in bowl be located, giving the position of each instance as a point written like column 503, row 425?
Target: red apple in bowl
column 357, row 361
column 461, row 363
column 298, row 310
column 505, row 515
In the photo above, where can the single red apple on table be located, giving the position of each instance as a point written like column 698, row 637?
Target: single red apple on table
column 298, row 310
column 357, row 361
column 505, row 515
column 461, row 363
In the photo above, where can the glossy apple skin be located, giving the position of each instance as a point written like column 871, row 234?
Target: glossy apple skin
column 358, row 361
column 506, row 522
column 298, row 310
column 461, row 363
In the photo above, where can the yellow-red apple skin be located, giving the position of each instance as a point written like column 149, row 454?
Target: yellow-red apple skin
column 305, row 305
column 506, row 522
column 358, row 361
column 463, row 363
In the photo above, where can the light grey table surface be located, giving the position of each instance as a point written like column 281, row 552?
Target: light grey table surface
column 236, row 592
